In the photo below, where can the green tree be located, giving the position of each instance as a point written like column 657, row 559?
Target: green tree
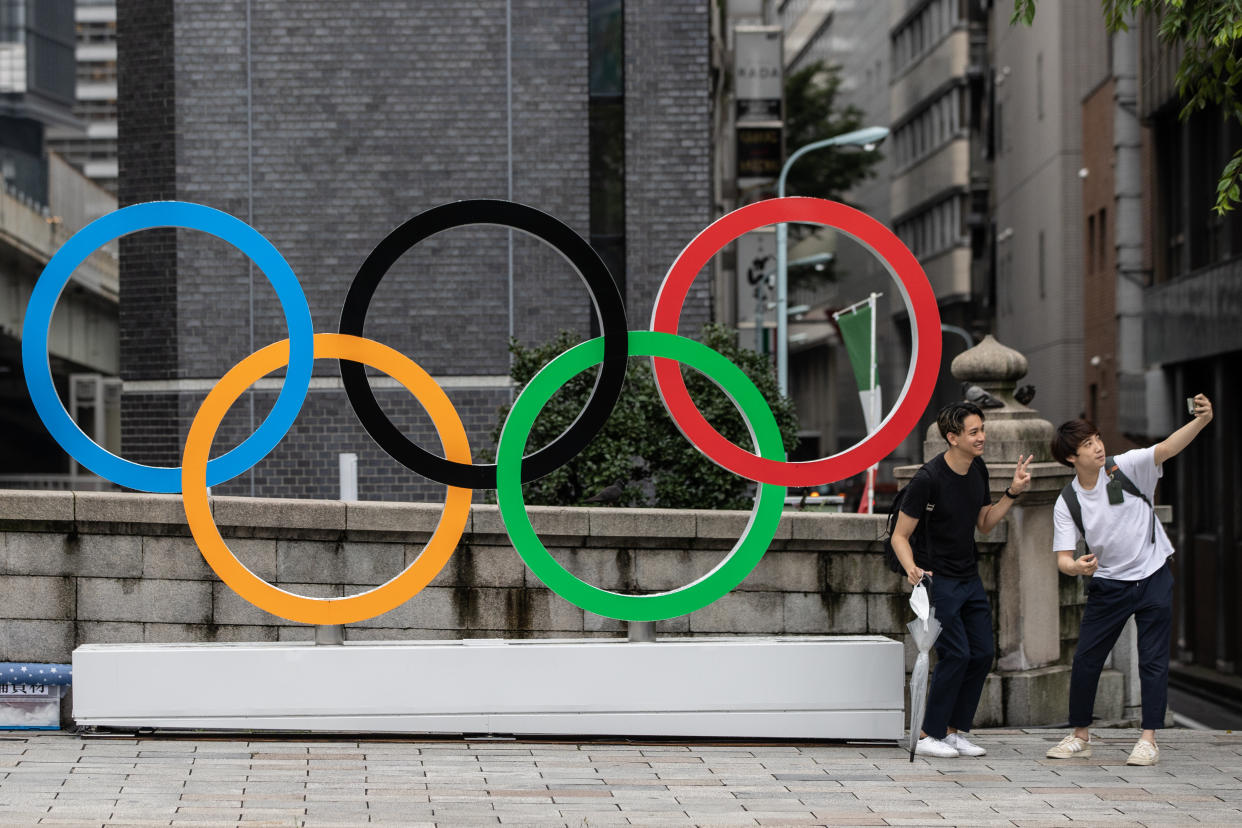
column 1209, row 33
column 640, row 446
column 812, row 114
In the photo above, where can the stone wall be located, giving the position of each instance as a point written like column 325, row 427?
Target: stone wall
column 86, row 567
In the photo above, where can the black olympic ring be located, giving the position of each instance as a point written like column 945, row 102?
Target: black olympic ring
column 604, row 295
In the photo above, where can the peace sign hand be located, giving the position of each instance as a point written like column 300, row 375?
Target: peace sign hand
column 1021, row 475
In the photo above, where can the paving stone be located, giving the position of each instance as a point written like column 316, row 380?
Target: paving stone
column 60, row 776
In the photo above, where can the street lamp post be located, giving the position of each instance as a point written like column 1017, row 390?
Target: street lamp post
column 764, row 280
column 862, row 138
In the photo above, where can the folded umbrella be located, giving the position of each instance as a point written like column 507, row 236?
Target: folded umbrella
column 924, row 630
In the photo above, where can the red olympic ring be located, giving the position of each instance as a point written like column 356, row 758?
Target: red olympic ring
column 911, row 282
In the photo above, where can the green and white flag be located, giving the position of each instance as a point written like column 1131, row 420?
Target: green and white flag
column 858, row 331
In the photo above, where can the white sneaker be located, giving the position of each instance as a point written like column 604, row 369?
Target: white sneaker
column 927, row 746
column 962, row 745
column 1144, row 753
column 1071, row 747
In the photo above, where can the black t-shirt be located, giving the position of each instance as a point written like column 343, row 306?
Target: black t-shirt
column 950, row 531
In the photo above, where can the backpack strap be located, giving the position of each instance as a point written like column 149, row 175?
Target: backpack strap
column 1115, row 473
column 931, row 503
column 1075, row 509
column 921, row 528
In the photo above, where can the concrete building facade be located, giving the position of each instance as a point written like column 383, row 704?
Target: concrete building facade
column 90, row 145
column 325, row 128
column 43, row 201
column 850, row 38
column 1182, row 304
column 1139, row 286
column 1042, row 74
column 82, row 337
column 36, row 89
column 941, row 163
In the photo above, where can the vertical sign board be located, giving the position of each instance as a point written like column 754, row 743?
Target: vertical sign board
column 758, row 73
column 758, row 85
column 759, row 151
column 756, row 266
column 759, row 154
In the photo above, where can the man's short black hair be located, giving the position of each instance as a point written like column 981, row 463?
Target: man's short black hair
column 1069, row 437
column 952, row 418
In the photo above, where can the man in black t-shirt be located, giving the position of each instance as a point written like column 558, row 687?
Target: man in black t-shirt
column 950, row 492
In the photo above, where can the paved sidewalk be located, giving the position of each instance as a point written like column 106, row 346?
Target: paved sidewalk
column 60, row 778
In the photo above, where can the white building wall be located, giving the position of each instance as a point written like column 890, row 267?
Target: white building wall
column 1041, row 72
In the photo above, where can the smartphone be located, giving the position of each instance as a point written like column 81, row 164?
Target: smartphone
column 1190, row 406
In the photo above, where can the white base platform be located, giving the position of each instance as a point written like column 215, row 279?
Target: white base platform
column 841, row 687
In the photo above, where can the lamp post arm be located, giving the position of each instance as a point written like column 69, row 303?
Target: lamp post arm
column 789, row 162
column 867, row 135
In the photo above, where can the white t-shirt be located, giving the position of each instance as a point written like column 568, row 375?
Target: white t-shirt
column 1119, row 536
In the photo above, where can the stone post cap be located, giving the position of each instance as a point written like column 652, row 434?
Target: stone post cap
column 1013, row 429
column 989, row 362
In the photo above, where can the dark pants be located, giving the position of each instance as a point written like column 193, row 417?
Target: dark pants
column 964, row 654
column 1109, row 605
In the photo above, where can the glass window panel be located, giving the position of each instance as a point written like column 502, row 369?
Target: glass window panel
column 607, row 136
column 1102, row 248
column 607, row 47
column 612, row 250
column 1041, row 264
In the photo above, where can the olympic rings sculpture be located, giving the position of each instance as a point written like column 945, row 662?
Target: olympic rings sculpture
column 767, row 465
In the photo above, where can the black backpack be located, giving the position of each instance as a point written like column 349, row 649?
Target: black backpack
column 918, row 538
column 1115, row 477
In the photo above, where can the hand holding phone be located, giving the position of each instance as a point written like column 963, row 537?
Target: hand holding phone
column 1199, row 407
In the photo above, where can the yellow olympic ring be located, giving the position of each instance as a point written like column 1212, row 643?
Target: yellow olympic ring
column 254, row 589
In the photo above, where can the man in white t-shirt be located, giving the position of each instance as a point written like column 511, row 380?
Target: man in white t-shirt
column 1127, row 560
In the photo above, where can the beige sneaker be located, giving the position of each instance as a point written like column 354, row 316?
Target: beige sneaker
column 1071, row 747
column 1144, row 753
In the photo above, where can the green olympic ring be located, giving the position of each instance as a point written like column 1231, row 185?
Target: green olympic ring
column 746, row 553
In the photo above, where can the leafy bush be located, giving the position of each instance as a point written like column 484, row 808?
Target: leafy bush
column 640, row 447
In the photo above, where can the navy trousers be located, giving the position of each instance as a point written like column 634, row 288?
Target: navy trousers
column 1109, row 605
column 964, row 653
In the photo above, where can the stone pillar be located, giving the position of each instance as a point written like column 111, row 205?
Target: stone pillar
column 1035, row 685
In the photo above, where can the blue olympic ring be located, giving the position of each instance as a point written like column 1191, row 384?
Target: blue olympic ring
column 144, row 217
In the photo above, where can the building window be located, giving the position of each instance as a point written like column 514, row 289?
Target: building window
column 1091, row 268
column 1102, row 248
column 922, row 30
column 930, row 128
column 935, row 229
column 1000, row 128
column 1004, row 280
column 1039, row 86
column 1043, row 291
column 1171, row 195
column 1009, row 279
column 1189, row 158
column 607, row 135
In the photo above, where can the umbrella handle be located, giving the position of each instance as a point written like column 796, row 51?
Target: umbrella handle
column 926, row 580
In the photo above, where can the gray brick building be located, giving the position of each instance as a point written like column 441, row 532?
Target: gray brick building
column 326, row 125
